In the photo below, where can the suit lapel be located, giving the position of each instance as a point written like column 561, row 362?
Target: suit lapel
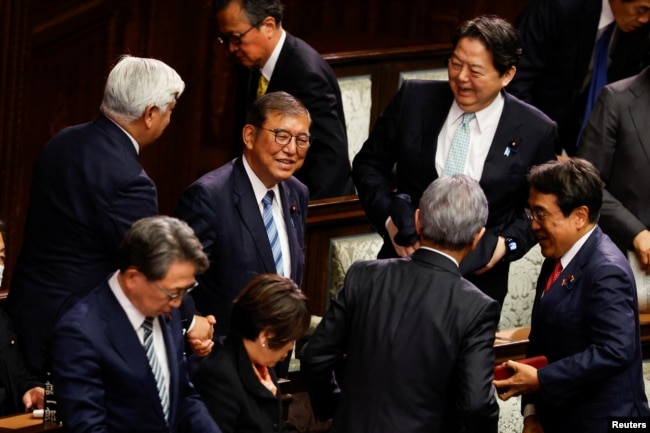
column 434, row 115
column 249, row 212
column 508, row 131
column 127, row 344
column 639, row 109
column 289, row 202
column 172, row 363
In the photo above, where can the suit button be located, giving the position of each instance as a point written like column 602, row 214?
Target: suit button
column 275, row 426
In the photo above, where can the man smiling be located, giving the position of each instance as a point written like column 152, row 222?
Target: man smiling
column 585, row 318
column 227, row 207
column 469, row 126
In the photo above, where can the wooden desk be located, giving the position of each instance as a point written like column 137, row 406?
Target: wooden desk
column 25, row 423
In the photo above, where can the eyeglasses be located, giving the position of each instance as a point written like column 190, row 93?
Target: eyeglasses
column 283, row 137
column 229, row 38
column 538, row 215
column 181, row 293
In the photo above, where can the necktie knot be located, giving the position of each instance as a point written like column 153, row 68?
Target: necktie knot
column 467, row 117
column 262, row 85
column 268, row 198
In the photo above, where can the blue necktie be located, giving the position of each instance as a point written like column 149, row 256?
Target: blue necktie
column 147, row 325
column 272, row 231
column 599, row 73
column 459, row 146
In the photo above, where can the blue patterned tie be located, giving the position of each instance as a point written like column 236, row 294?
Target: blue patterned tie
column 272, row 231
column 459, row 147
column 147, row 325
column 599, row 73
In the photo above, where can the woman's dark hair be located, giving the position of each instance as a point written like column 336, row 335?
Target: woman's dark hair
column 271, row 303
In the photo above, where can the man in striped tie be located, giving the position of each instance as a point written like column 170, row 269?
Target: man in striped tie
column 250, row 213
column 118, row 362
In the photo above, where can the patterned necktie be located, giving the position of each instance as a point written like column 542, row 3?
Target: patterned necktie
column 459, row 146
column 262, row 85
column 598, row 74
column 557, row 270
column 147, row 325
column 272, row 231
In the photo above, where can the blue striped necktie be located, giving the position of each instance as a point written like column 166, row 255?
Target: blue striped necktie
column 272, row 231
column 147, row 325
column 459, row 147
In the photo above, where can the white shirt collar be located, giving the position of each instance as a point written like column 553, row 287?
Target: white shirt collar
column 569, row 255
column 135, row 143
column 441, row 253
column 606, row 15
column 489, row 115
column 135, row 316
column 258, row 186
column 269, row 66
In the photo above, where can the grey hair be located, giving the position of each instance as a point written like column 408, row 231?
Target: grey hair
column 135, row 83
column 153, row 243
column 453, row 209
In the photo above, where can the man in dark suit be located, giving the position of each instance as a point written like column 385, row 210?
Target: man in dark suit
column 19, row 390
column 88, row 188
column 616, row 140
column 252, row 31
column 585, row 318
column 226, row 207
column 417, row 133
column 559, row 39
column 412, row 336
column 118, row 362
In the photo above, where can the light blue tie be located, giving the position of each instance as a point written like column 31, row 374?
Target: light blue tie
column 459, row 147
column 147, row 325
column 272, row 231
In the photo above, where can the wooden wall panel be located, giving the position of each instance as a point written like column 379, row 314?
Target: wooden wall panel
column 55, row 55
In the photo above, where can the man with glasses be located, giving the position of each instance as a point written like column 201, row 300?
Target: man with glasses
column 117, row 357
column 250, row 214
column 585, row 316
column 274, row 60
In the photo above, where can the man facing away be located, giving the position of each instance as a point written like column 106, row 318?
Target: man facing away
column 117, row 357
column 278, row 61
column 88, row 188
column 585, row 318
column 412, row 336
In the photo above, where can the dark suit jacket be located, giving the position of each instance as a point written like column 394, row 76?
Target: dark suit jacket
column 233, row 394
column 617, row 141
column 558, row 38
column 87, row 190
column 587, row 325
column 221, row 208
column 302, row 72
column 102, row 378
column 406, row 134
column 15, row 379
column 416, row 340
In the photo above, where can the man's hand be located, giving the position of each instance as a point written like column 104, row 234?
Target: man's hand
column 200, row 335
column 497, row 256
column 523, row 381
column 641, row 243
column 34, row 398
column 401, row 251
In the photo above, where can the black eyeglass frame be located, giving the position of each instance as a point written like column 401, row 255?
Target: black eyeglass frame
column 300, row 143
column 236, row 40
